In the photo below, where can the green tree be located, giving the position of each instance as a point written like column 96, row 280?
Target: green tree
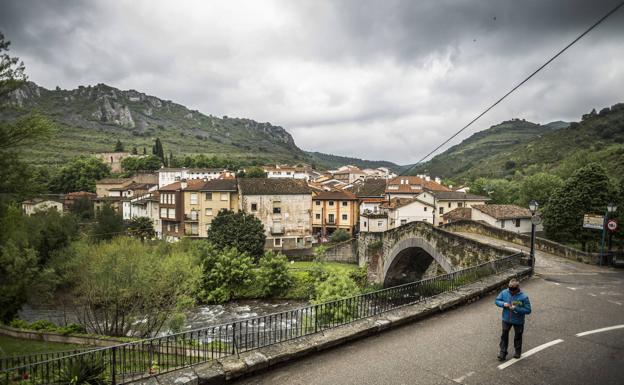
column 587, row 191
column 135, row 151
column 500, row 191
column 538, row 187
column 18, row 271
column 149, row 163
column 79, row 175
column 239, row 230
column 225, row 271
column 82, row 208
column 142, row 228
column 255, row 172
column 12, row 74
column 109, row 224
column 119, row 147
column 158, row 150
column 273, row 273
column 127, row 287
column 336, row 287
column 49, row 231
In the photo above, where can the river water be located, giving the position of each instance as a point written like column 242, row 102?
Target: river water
column 196, row 318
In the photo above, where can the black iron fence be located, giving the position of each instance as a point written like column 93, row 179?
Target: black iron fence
column 14, row 361
column 131, row 361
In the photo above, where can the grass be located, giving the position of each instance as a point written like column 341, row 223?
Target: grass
column 10, row 346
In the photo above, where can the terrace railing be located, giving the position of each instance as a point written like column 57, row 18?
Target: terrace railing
column 132, row 361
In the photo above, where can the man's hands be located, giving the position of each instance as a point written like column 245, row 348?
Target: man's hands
column 509, row 306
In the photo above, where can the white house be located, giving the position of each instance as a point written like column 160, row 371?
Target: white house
column 445, row 201
column 146, row 205
column 509, row 217
column 32, row 206
column 304, row 173
column 401, row 211
column 167, row 176
column 373, row 222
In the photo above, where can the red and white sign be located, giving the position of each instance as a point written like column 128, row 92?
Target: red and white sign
column 612, row 225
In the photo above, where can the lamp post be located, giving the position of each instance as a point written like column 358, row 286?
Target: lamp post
column 533, row 205
column 611, row 207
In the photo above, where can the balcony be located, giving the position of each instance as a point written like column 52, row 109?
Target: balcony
column 192, row 217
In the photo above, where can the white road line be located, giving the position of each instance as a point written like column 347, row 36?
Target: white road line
column 600, row 330
column 529, row 353
column 557, row 283
column 571, row 288
column 592, row 294
column 615, row 302
column 462, row 378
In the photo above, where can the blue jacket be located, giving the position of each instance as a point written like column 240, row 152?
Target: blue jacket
column 520, row 300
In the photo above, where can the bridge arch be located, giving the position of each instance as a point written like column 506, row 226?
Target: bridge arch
column 409, row 259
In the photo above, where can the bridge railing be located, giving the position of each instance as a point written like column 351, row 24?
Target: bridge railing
column 132, row 361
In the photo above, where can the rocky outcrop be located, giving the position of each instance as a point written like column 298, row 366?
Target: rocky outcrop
column 111, row 111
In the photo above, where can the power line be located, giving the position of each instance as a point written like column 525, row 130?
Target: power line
column 517, row 86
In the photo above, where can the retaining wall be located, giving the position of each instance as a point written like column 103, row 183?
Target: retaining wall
column 56, row 337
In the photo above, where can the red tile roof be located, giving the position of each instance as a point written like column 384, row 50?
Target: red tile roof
column 413, row 185
column 335, row 195
column 504, row 211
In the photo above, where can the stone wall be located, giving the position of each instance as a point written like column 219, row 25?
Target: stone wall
column 345, row 252
column 541, row 244
column 56, row 337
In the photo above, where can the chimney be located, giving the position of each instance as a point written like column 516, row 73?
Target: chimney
column 438, row 180
column 427, row 178
column 183, row 184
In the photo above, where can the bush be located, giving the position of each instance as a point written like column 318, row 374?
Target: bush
column 360, row 277
column 340, row 235
column 273, row 275
column 84, row 371
column 334, row 288
column 43, row 325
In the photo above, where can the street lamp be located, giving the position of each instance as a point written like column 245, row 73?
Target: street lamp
column 611, row 208
column 533, row 205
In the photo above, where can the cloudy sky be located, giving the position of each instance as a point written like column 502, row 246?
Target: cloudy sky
column 379, row 79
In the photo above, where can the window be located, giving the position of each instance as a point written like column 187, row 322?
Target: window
column 172, row 196
column 344, row 204
column 517, row 222
column 450, row 203
column 176, row 228
column 459, row 204
column 194, row 215
column 299, row 242
column 171, row 213
column 425, row 208
column 364, row 224
column 379, row 223
column 318, row 216
column 502, row 224
column 163, row 213
column 318, row 203
column 331, row 203
column 208, row 196
column 194, row 229
column 331, row 218
column 224, row 196
column 254, row 207
column 277, row 242
column 344, row 217
column 168, row 226
column 207, row 226
column 162, row 198
column 209, row 211
column 277, row 210
column 403, row 221
column 441, row 210
column 193, row 198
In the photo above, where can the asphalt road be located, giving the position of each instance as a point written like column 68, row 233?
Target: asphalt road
column 460, row 346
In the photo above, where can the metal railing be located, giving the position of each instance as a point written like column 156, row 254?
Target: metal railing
column 14, row 361
column 132, row 361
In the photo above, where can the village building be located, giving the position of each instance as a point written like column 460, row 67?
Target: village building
column 203, row 202
column 284, row 206
column 113, row 159
column 108, row 192
column 349, row 174
column 167, row 176
column 401, row 211
column 508, row 217
column 73, row 197
column 411, row 186
column 370, row 193
column 445, row 201
column 146, row 205
column 294, row 172
column 171, row 206
column 374, row 222
column 32, row 206
column 333, row 210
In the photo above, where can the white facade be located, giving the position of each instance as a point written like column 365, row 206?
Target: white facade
column 167, row 176
column 373, row 223
column 518, row 225
column 31, row 207
column 416, row 211
column 144, row 206
column 289, row 172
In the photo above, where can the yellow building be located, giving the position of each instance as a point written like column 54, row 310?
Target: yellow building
column 203, row 203
column 333, row 210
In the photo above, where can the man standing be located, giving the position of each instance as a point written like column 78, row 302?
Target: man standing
column 515, row 306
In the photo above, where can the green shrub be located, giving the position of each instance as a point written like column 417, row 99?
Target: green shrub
column 43, row 325
column 273, row 275
column 336, row 287
column 71, row 329
column 360, row 276
column 84, row 371
column 19, row 324
column 340, row 235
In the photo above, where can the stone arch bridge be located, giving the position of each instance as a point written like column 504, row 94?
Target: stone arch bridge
column 418, row 250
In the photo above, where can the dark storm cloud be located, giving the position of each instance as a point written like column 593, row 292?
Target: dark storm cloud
column 373, row 79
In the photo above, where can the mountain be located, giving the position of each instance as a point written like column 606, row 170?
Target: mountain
column 91, row 119
column 334, row 161
column 525, row 147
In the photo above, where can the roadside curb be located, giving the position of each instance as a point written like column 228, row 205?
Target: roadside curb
column 223, row 370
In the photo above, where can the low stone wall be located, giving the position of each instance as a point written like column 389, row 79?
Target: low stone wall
column 223, row 370
column 541, row 244
column 56, row 337
column 345, row 252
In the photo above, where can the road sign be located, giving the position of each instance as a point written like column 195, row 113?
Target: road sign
column 536, row 220
column 612, row 225
column 593, row 221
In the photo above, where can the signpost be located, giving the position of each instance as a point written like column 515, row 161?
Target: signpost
column 612, row 225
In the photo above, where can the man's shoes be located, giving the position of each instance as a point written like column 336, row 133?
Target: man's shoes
column 517, row 354
column 502, row 356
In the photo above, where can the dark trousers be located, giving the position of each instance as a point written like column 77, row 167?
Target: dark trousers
column 504, row 342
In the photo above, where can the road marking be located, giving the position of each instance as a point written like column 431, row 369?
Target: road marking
column 615, row 302
column 530, row 353
column 462, row 378
column 600, row 330
column 571, row 288
column 557, row 283
column 592, row 294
